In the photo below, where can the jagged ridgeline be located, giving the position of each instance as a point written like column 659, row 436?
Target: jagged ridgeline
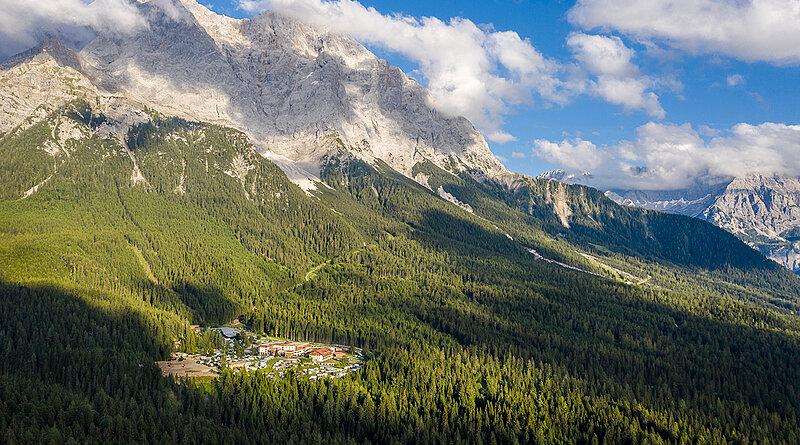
column 492, row 308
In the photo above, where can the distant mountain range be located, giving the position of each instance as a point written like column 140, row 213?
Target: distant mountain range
column 763, row 211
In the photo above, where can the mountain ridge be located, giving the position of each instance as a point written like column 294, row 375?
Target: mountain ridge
column 763, row 211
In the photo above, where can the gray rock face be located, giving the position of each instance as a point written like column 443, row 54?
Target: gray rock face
column 757, row 206
column 300, row 92
column 787, row 254
column 763, row 211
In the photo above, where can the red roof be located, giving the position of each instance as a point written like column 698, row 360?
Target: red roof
column 323, row 352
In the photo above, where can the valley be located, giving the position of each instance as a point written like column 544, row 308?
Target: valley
column 437, row 298
column 287, row 243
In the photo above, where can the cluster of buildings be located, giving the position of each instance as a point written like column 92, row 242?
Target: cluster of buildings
column 273, row 355
column 299, row 349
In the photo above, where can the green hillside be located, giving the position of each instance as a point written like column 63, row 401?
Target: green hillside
column 672, row 331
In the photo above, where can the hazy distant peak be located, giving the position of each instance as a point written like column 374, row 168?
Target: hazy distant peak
column 569, row 177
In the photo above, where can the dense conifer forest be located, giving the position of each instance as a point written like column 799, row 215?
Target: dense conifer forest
column 672, row 331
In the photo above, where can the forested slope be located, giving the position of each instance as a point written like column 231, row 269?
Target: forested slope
column 643, row 242
column 468, row 336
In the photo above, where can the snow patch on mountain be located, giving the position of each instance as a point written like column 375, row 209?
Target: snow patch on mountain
column 304, row 179
column 567, row 177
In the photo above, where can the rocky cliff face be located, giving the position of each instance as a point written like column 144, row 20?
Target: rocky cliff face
column 787, row 254
column 757, row 206
column 36, row 82
column 300, row 92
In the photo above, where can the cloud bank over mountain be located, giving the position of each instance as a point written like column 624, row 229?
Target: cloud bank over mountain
column 478, row 72
column 24, row 23
column 471, row 71
column 670, row 156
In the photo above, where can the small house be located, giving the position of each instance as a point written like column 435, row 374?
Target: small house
column 320, row 354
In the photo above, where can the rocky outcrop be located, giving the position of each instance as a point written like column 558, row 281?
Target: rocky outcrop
column 757, row 206
column 786, row 254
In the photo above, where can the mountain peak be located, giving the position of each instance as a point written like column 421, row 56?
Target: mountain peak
column 49, row 63
column 778, row 183
column 569, row 177
column 762, row 210
column 223, row 29
column 52, row 48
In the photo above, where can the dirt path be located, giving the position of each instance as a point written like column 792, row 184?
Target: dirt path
column 539, row 256
column 631, row 279
column 308, row 275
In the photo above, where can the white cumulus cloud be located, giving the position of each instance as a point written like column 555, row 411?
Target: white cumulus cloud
column 24, row 23
column 751, row 30
column 576, row 154
column 670, row 156
column 616, row 79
